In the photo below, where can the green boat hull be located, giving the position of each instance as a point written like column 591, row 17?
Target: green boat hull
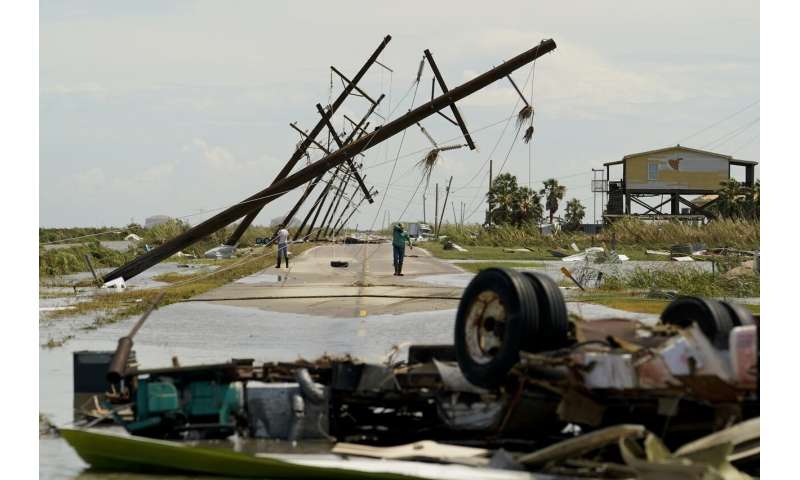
column 119, row 452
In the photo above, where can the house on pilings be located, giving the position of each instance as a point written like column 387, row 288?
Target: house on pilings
column 659, row 180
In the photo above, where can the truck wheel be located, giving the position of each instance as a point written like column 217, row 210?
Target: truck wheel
column 496, row 317
column 553, row 320
column 710, row 315
column 741, row 316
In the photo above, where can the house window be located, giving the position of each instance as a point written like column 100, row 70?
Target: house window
column 652, row 171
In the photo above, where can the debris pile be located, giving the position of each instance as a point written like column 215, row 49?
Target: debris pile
column 522, row 388
column 594, row 263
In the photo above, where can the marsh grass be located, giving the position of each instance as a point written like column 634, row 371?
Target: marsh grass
column 64, row 261
column 688, row 281
column 628, row 233
column 114, row 306
column 639, row 304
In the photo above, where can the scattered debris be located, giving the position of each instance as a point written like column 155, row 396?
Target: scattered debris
column 339, row 264
column 423, row 450
column 449, row 245
column 662, row 253
column 521, row 390
column 592, row 253
column 117, row 283
column 517, row 250
column 221, row 252
column 359, row 238
column 578, row 446
column 568, row 274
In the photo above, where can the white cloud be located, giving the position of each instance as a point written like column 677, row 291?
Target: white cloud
column 574, row 80
column 87, row 180
column 218, row 157
column 156, row 173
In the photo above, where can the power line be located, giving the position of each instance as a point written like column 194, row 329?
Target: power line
column 731, row 135
column 746, row 143
column 704, row 129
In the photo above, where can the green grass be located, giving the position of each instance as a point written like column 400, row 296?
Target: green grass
column 630, row 234
column 482, row 253
column 64, row 261
column 475, row 267
column 630, row 303
column 688, row 281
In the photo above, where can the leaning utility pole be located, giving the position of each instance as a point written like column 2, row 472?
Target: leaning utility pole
column 488, row 196
column 444, row 205
column 334, row 200
column 350, row 203
column 319, row 205
column 301, row 149
column 336, row 234
column 436, row 211
column 335, row 207
column 279, row 188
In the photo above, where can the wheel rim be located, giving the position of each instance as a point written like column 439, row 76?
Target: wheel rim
column 485, row 327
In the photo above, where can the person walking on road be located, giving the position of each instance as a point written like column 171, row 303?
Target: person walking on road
column 399, row 240
column 283, row 246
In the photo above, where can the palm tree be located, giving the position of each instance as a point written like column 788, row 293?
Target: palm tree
column 528, row 207
column 752, row 202
column 512, row 204
column 731, row 199
column 501, row 198
column 553, row 193
column 574, row 213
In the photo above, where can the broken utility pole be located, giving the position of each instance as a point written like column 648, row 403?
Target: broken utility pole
column 280, row 187
column 318, row 206
column 301, row 149
column 352, row 212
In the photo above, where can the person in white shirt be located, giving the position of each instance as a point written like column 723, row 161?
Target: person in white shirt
column 283, row 246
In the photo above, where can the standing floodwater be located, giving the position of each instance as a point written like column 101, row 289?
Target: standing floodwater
column 209, row 333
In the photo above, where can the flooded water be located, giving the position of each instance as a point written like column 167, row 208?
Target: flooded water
column 143, row 280
column 209, row 333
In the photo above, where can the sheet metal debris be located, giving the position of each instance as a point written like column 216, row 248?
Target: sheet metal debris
column 561, row 405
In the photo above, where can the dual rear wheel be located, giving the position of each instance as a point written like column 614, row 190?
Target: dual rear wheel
column 501, row 313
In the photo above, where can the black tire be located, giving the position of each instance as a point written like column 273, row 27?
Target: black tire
column 553, row 319
column 739, row 314
column 510, row 293
column 710, row 315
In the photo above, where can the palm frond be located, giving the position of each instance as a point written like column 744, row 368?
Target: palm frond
column 528, row 134
column 524, row 115
column 428, row 162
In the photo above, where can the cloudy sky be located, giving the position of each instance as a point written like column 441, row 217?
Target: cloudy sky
column 181, row 108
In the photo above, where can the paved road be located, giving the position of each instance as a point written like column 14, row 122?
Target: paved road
column 366, row 286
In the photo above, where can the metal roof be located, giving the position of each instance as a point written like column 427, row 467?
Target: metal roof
column 732, row 160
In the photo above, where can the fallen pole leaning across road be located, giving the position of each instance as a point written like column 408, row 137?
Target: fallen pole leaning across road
column 281, row 187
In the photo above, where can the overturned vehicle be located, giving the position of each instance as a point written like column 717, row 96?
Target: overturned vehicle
column 521, row 375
